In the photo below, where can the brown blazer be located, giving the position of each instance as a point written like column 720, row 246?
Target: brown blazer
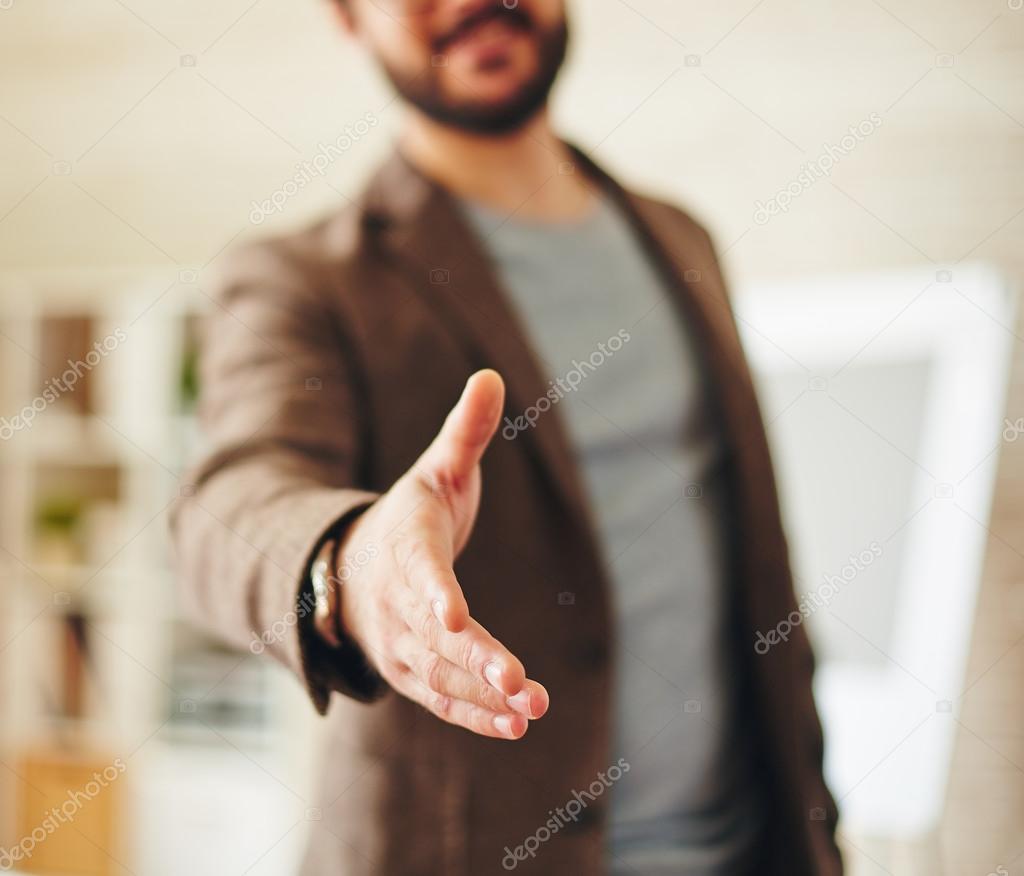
column 330, row 361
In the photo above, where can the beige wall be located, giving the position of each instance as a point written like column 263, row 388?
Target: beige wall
column 139, row 132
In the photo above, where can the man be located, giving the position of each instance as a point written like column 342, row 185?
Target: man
column 543, row 642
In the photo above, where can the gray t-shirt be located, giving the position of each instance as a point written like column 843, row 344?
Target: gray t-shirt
column 600, row 319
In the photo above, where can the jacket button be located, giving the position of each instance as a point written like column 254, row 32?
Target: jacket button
column 587, row 819
column 591, row 654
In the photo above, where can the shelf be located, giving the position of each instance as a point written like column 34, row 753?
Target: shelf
column 86, row 480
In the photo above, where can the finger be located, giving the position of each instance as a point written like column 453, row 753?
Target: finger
column 444, row 677
column 468, row 429
column 476, row 718
column 473, row 648
column 426, row 565
column 532, row 701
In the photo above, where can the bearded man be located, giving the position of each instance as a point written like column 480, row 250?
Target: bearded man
column 488, row 435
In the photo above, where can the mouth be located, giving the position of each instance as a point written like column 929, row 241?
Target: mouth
column 485, row 30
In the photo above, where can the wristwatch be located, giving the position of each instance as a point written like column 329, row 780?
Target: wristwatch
column 325, row 592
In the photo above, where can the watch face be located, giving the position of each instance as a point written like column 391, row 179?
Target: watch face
column 321, row 583
column 320, row 579
column 320, row 590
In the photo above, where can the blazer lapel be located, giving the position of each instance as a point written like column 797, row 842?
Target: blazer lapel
column 691, row 274
column 424, row 231
column 694, row 284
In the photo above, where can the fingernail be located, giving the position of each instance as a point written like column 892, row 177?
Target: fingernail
column 520, row 703
column 492, row 672
column 438, row 607
column 503, row 724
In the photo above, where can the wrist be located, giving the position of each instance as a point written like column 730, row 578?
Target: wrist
column 354, row 552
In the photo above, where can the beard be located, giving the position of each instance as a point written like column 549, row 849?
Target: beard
column 426, row 93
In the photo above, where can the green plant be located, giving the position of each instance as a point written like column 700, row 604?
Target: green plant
column 59, row 515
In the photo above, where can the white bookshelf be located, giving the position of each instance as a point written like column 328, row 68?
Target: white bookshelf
column 150, row 680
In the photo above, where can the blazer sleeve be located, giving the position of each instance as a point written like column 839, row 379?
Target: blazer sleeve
column 281, row 424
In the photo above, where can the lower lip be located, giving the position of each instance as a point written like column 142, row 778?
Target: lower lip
column 487, row 42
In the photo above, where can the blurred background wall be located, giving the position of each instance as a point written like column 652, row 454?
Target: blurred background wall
column 138, row 141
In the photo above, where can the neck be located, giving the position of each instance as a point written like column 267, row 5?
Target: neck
column 523, row 172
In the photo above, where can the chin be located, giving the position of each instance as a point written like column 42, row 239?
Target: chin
column 489, row 94
column 492, row 87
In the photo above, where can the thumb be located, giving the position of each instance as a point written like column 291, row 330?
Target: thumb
column 456, row 451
